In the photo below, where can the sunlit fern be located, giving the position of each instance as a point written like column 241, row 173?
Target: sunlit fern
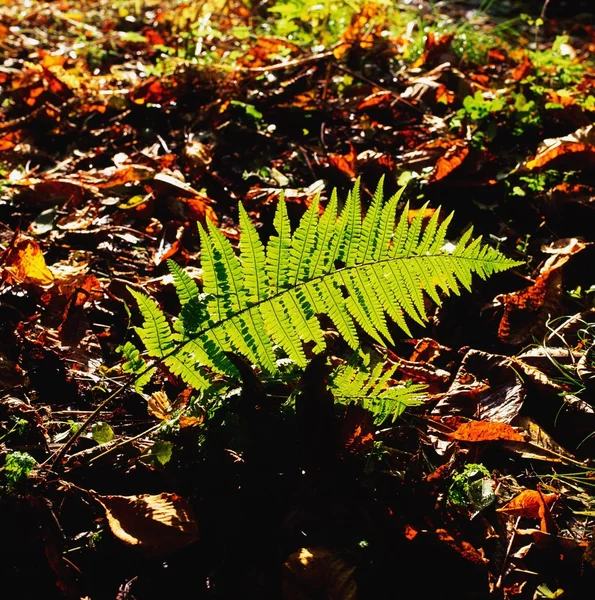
column 264, row 302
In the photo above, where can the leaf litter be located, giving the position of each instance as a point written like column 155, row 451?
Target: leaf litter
column 123, row 127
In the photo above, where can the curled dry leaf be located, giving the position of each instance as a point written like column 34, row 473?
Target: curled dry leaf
column 570, row 152
column 527, row 311
column 532, row 504
column 486, row 431
column 486, row 387
column 157, row 524
column 538, row 444
column 159, row 406
column 25, row 263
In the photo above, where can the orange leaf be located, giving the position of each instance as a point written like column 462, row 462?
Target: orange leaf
column 450, row 161
column 345, row 162
column 375, row 99
column 570, row 152
column 26, row 263
column 523, row 69
column 531, row 504
column 486, row 431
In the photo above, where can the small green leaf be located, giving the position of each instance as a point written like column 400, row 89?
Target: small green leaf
column 17, row 467
column 162, row 452
column 102, row 433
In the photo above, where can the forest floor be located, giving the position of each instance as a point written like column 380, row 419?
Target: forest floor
column 123, row 125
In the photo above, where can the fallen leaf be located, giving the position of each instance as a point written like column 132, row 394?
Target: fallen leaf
column 345, row 162
column 539, row 445
column 159, row 406
column 453, row 159
column 486, row 431
column 437, row 50
column 532, row 504
column 486, row 387
column 570, row 152
column 26, row 264
column 527, row 311
column 157, row 524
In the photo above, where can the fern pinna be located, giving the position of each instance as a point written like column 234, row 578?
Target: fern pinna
column 264, row 302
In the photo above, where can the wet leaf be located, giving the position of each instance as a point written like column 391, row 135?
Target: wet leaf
column 486, row 386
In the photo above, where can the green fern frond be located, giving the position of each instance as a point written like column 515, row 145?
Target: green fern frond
column 186, row 287
column 136, row 364
column 374, row 390
column 265, row 302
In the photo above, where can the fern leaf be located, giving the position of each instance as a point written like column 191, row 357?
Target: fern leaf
column 303, row 241
column 186, row 287
column 387, row 225
column 326, row 232
column 155, row 333
column 354, row 270
column 370, row 226
column 374, row 390
column 137, row 365
column 278, row 249
column 352, row 231
column 253, row 258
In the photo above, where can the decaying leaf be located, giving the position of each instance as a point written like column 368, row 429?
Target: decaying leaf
column 157, row 524
column 453, row 159
column 486, row 387
column 486, row 431
column 527, row 311
column 532, row 504
column 538, row 444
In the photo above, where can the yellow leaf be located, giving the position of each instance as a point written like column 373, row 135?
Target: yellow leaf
column 26, row 263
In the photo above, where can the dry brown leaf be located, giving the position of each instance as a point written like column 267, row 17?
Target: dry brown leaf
column 539, row 445
column 453, row 159
column 531, row 504
column 527, row 311
column 437, row 50
column 26, row 264
column 186, row 422
column 345, row 162
column 574, row 151
column 157, row 524
column 486, row 431
column 159, row 406
column 486, row 387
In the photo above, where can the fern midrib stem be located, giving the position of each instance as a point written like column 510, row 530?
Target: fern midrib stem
column 221, row 323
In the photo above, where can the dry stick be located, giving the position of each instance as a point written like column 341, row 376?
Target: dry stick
column 122, row 443
column 508, row 549
column 75, row 436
